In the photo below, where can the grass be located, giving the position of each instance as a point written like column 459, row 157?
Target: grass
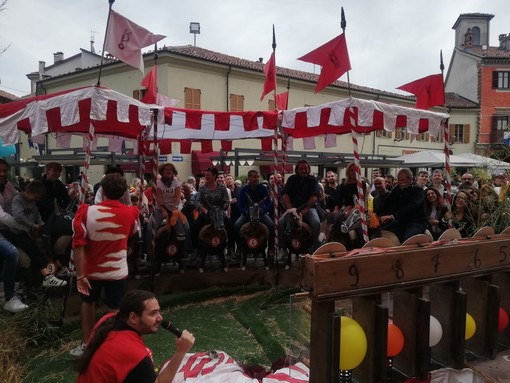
column 255, row 327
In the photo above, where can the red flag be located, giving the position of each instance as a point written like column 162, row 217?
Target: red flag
column 150, row 82
column 429, row 91
column 334, row 59
column 282, row 101
column 125, row 39
column 270, row 72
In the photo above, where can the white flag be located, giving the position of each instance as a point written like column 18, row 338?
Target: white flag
column 125, row 39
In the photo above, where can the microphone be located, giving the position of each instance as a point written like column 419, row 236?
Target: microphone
column 167, row 325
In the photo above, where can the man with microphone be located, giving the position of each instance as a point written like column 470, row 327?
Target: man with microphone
column 116, row 352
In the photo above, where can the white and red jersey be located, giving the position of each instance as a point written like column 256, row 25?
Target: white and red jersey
column 201, row 367
column 103, row 230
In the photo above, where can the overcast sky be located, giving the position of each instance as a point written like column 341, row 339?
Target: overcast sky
column 390, row 42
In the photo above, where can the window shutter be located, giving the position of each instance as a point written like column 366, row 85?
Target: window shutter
column 378, row 133
column 390, row 134
column 467, row 129
column 188, row 98
column 495, row 76
column 271, row 105
column 136, row 94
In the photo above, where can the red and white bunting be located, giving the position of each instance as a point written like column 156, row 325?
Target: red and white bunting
column 331, row 118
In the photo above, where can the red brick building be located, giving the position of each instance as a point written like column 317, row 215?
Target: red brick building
column 481, row 74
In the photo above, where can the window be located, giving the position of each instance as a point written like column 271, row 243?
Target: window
column 192, row 98
column 500, row 80
column 271, row 105
column 500, row 123
column 459, row 133
column 236, row 103
column 401, row 134
column 383, row 134
column 476, row 35
column 422, row 137
column 139, row 93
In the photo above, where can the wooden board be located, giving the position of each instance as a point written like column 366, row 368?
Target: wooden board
column 379, row 242
column 450, row 234
column 331, row 249
column 484, row 232
column 348, row 276
column 418, row 240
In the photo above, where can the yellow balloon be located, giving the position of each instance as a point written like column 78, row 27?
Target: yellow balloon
column 353, row 344
column 470, row 327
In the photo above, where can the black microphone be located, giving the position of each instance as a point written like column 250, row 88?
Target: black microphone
column 167, row 325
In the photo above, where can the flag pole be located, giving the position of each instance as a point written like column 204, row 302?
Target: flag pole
column 446, row 137
column 284, row 136
column 357, row 163
column 104, row 42
column 343, row 25
column 275, row 165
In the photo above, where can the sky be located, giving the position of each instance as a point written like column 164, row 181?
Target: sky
column 390, row 42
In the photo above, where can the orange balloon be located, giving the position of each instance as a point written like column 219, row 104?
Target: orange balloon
column 395, row 340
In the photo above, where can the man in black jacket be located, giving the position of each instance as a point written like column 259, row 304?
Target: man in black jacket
column 55, row 190
column 404, row 209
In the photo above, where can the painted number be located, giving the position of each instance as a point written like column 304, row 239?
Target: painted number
column 477, row 262
column 399, row 272
column 435, row 262
column 502, row 253
column 354, row 272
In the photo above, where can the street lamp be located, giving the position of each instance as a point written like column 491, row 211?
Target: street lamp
column 194, row 28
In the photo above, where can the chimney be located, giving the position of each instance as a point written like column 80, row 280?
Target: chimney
column 42, row 64
column 261, row 60
column 504, row 41
column 58, row 56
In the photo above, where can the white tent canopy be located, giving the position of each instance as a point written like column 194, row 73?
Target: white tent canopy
column 432, row 158
column 486, row 162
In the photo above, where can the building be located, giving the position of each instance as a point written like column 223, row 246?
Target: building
column 208, row 80
column 481, row 73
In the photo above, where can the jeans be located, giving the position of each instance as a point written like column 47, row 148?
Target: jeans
column 9, row 255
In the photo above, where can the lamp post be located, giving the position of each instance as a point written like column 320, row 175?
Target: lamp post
column 194, row 27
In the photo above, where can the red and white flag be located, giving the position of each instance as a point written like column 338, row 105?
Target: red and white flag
column 125, row 39
column 429, row 91
column 334, row 59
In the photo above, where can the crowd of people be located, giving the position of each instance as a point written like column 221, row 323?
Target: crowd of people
column 114, row 211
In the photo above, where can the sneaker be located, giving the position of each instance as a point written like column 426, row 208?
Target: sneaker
column 225, row 269
column 287, row 267
column 243, row 268
column 181, row 271
column 14, row 305
column 200, row 270
column 78, row 350
column 52, row 281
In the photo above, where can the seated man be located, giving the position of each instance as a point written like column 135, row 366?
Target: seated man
column 251, row 193
column 404, row 209
column 301, row 189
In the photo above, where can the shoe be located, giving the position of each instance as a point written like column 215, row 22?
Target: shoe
column 267, row 268
column 225, row 269
column 64, row 272
column 200, row 270
column 287, row 267
column 78, row 350
column 243, row 268
column 137, row 276
column 181, row 271
column 14, row 305
column 52, row 281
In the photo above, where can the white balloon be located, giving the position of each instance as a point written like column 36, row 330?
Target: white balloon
column 436, row 332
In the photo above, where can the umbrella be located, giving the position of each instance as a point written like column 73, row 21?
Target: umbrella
column 486, row 162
